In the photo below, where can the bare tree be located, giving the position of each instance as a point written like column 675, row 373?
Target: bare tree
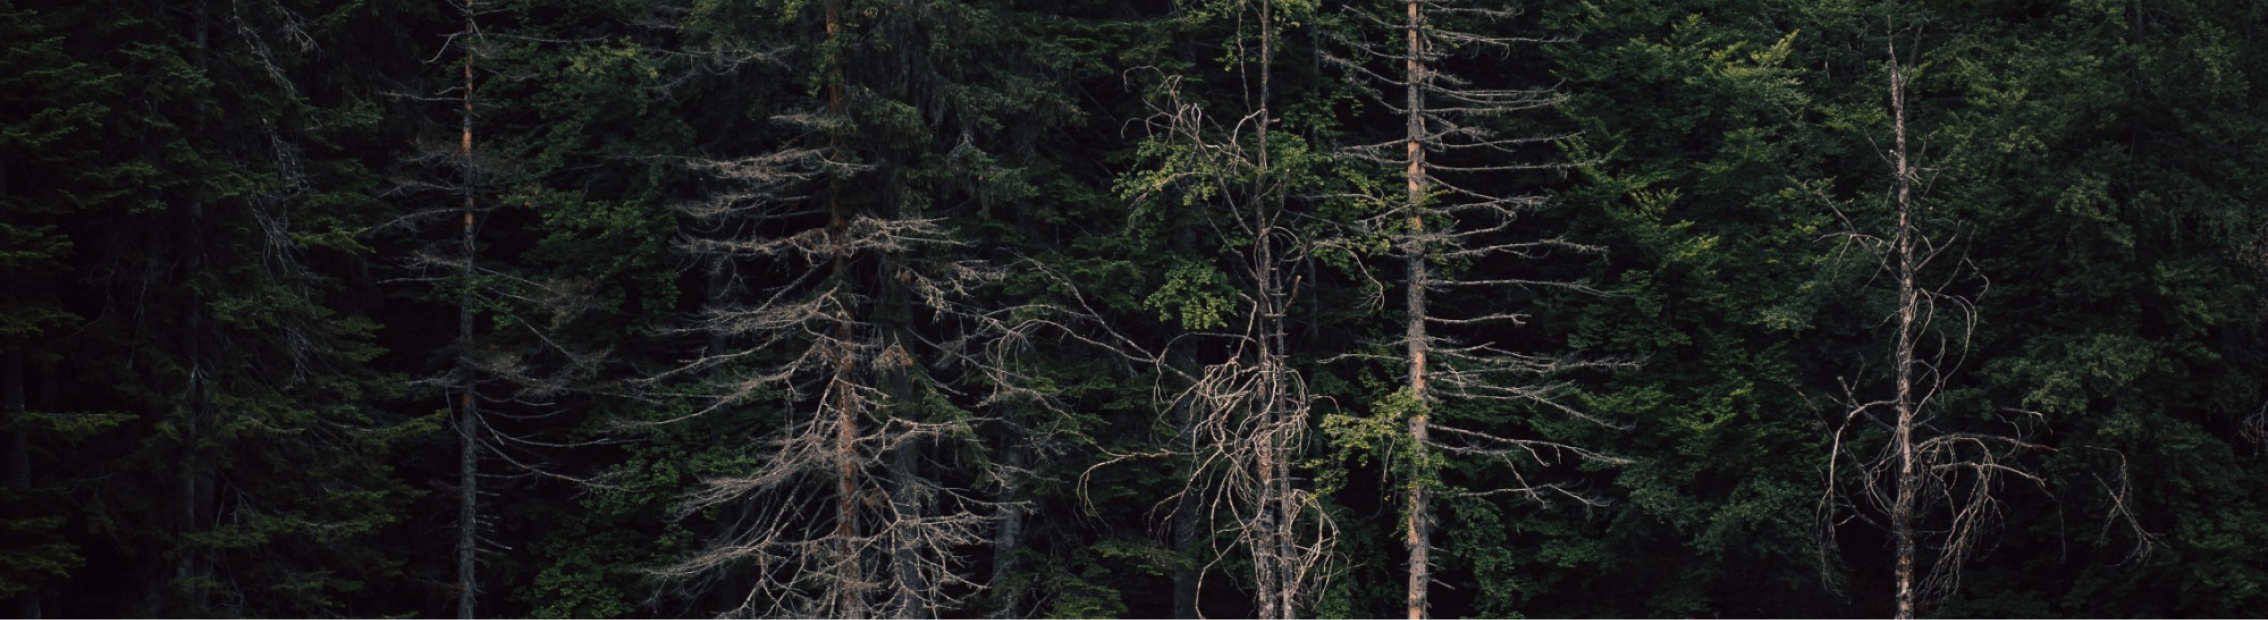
column 857, row 317
column 1248, row 412
column 1921, row 471
column 1450, row 138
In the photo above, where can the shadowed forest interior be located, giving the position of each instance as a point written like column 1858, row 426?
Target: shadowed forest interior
column 1147, row 308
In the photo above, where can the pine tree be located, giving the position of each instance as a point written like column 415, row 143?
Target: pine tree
column 51, row 96
column 1936, row 483
column 850, row 299
column 1450, row 217
column 256, row 472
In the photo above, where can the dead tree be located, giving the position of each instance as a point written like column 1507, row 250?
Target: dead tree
column 838, row 520
column 1450, row 139
column 856, row 319
column 1248, row 410
column 1927, row 483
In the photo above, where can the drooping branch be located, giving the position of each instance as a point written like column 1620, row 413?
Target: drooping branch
column 1451, row 145
column 1936, row 487
column 862, row 322
column 1243, row 418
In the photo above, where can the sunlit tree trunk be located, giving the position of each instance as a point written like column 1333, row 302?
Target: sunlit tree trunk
column 1419, row 535
column 1909, row 308
column 1448, row 127
column 1926, row 467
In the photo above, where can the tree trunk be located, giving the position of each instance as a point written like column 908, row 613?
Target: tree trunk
column 906, row 501
column 851, row 590
column 26, row 603
column 1287, row 507
column 1276, row 505
column 1419, row 536
column 1902, row 508
column 1008, row 535
column 196, row 481
column 468, row 408
column 196, row 485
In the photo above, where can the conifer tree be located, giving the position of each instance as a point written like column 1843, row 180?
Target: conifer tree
column 257, row 471
column 1246, row 403
column 1451, row 228
column 851, row 305
column 521, row 338
column 1912, row 458
column 461, row 183
column 50, row 96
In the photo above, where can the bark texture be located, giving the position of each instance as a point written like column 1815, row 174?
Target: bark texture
column 468, row 398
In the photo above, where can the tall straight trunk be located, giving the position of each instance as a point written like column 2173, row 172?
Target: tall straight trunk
column 906, row 501
column 1008, row 533
column 1266, row 562
column 851, row 591
column 1273, row 536
column 468, row 408
column 1419, row 535
column 196, row 483
column 1287, row 507
column 26, row 603
column 1909, row 302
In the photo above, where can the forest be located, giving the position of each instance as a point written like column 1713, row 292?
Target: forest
column 1134, row 308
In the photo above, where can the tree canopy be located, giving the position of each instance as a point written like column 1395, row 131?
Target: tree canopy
column 1162, row 308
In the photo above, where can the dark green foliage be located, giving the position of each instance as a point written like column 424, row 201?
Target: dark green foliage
column 227, row 342
column 209, row 218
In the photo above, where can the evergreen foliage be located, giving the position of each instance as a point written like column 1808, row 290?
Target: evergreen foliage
column 619, row 308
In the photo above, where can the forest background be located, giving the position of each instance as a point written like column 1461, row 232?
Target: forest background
column 1154, row 308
